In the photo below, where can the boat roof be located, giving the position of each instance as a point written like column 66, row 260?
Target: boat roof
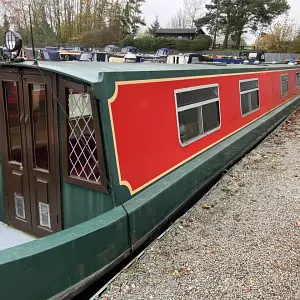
column 176, row 30
column 130, row 47
column 94, row 72
column 112, row 46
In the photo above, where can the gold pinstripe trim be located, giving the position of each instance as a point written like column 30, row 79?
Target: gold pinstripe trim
column 114, row 96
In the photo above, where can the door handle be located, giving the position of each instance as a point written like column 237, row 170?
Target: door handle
column 26, row 120
column 21, row 118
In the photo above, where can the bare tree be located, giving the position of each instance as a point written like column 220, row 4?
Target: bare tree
column 193, row 10
column 179, row 20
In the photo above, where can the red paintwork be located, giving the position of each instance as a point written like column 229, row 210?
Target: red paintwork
column 145, row 125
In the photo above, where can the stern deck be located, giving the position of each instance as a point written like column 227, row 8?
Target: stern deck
column 11, row 237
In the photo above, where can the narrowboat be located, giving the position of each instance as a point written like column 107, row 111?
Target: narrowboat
column 130, row 49
column 100, row 56
column 113, row 53
column 94, row 158
column 160, row 56
column 51, row 53
column 254, row 56
column 112, row 49
column 188, row 58
column 69, row 53
column 3, row 52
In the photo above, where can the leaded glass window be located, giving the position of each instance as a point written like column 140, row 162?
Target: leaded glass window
column 84, row 158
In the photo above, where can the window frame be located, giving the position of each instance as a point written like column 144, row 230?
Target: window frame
column 249, row 91
column 194, row 105
column 297, row 86
column 281, row 75
column 84, row 88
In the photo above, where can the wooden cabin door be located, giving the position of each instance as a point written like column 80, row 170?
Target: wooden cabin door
column 30, row 155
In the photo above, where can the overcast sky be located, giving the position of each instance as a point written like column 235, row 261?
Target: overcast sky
column 166, row 8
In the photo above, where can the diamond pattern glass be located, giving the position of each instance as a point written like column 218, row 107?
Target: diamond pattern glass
column 83, row 158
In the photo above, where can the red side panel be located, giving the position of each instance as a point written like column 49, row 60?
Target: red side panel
column 145, row 126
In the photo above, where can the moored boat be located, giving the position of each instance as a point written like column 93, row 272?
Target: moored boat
column 253, row 56
column 188, row 58
column 95, row 157
column 69, row 53
column 160, row 56
column 51, row 53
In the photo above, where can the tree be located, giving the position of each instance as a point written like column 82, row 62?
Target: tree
column 230, row 42
column 135, row 15
column 209, row 19
column 88, row 22
column 6, row 22
column 154, row 26
column 193, row 9
column 186, row 15
column 281, row 37
column 179, row 20
column 239, row 16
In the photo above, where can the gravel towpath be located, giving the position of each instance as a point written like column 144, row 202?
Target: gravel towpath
column 240, row 241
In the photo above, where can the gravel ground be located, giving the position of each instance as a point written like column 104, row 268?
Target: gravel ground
column 240, row 241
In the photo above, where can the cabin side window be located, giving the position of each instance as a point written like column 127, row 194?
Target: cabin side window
column 84, row 159
column 198, row 112
column 249, row 92
column 284, row 85
column 298, row 81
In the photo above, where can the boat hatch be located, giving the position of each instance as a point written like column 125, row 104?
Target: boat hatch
column 29, row 147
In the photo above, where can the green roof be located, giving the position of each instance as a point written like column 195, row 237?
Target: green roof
column 94, row 72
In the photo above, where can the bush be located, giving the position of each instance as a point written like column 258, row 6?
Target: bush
column 150, row 43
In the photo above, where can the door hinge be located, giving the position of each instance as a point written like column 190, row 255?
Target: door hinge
column 57, row 218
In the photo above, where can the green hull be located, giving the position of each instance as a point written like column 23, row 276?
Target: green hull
column 65, row 262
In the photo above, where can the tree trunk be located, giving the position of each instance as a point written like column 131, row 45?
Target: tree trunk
column 225, row 42
column 238, row 39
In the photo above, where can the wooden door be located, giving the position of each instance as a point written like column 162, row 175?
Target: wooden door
column 31, row 171
column 15, row 152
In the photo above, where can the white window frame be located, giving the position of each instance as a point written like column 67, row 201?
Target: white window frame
column 282, row 96
column 194, row 105
column 297, row 86
column 249, row 91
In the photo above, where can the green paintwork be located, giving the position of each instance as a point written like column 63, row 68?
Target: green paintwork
column 78, row 203
column 50, row 265
column 182, row 183
column 77, row 252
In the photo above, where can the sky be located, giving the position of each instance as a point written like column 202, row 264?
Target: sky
column 165, row 9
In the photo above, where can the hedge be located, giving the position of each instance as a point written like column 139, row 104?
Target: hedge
column 150, row 43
